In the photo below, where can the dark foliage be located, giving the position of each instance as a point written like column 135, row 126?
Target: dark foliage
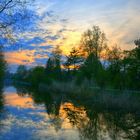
column 122, row 69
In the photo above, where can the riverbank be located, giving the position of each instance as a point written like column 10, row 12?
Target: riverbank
column 83, row 89
column 94, row 96
column 106, row 99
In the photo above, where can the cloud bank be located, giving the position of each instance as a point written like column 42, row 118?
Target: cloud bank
column 61, row 22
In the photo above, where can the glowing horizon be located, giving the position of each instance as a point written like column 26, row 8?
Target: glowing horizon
column 63, row 21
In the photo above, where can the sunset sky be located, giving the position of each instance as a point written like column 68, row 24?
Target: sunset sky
column 61, row 22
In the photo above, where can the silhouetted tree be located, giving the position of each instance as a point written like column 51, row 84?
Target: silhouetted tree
column 133, row 66
column 53, row 66
column 74, row 59
column 93, row 41
column 2, row 67
column 21, row 72
column 92, row 70
column 37, row 75
column 114, row 68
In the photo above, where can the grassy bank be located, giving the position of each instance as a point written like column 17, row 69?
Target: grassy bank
column 85, row 89
column 96, row 97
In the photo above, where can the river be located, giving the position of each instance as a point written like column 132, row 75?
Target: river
column 30, row 115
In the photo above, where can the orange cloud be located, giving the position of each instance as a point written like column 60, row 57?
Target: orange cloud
column 20, row 57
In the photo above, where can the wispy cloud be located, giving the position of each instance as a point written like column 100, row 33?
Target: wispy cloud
column 61, row 22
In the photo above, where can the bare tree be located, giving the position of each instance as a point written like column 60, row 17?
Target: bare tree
column 12, row 15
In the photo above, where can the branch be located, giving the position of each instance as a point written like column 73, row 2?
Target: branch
column 5, row 6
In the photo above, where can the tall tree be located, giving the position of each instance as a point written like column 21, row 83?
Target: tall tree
column 92, row 70
column 93, row 41
column 133, row 69
column 114, row 69
column 53, row 66
column 137, row 49
column 74, row 59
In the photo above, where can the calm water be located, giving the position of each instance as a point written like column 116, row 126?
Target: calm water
column 30, row 115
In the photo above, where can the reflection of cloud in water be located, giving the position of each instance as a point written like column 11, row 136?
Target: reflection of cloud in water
column 32, row 124
column 15, row 100
column 24, row 120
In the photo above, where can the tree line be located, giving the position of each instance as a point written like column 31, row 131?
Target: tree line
column 92, row 61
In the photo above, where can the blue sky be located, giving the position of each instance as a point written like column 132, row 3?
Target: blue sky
column 61, row 22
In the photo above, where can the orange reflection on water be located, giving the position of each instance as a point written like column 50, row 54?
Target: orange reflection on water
column 75, row 116
column 69, row 106
column 14, row 99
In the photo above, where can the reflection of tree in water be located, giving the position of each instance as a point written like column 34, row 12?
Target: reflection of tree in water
column 94, row 121
column 76, row 115
column 2, row 73
column 1, row 104
column 114, row 125
column 21, row 90
column 52, row 105
column 1, row 101
column 1, row 96
column 78, row 118
column 1, row 109
column 125, row 122
column 99, row 123
column 51, row 102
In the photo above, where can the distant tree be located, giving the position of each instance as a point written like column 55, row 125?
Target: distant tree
column 53, row 66
column 137, row 49
column 137, row 42
column 93, row 41
column 57, row 53
column 124, row 67
column 21, row 72
column 50, row 66
column 114, row 55
column 114, row 68
column 37, row 75
column 133, row 66
column 74, row 59
column 2, row 67
column 93, row 70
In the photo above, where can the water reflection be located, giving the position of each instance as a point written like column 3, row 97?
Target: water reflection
column 1, row 97
column 1, row 102
column 14, row 100
column 55, row 116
